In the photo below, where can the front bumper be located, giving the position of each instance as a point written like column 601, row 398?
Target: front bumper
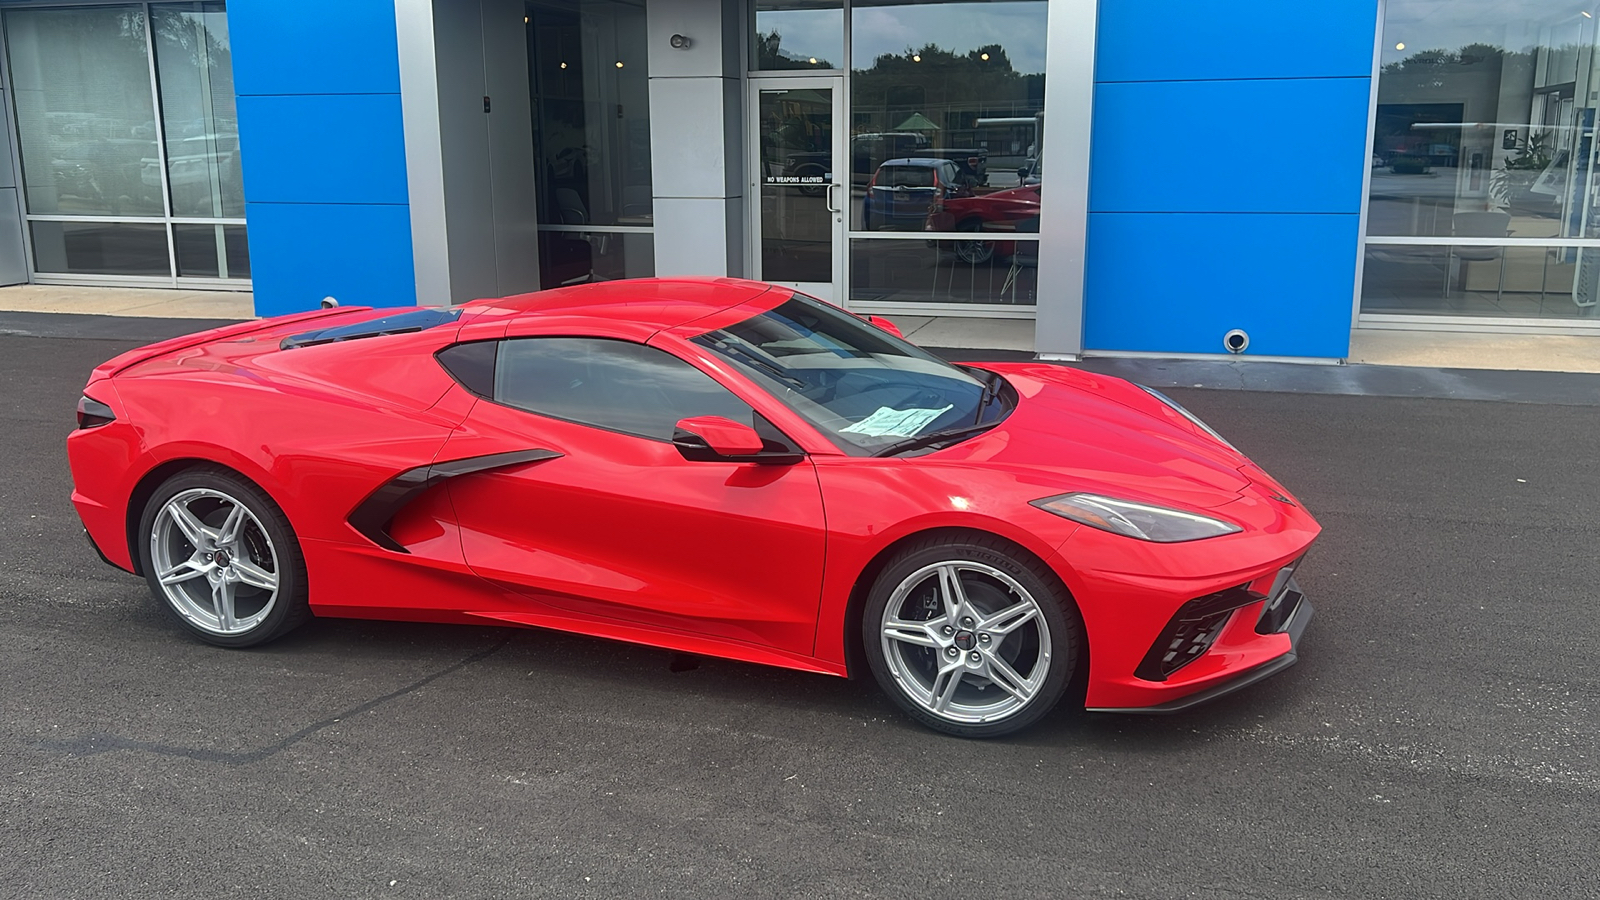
column 1289, row 616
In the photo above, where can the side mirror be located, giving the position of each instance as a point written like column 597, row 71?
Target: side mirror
column 702, row 438
column 886, row 325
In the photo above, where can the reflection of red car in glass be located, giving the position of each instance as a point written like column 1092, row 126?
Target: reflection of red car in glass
column 1002, row 212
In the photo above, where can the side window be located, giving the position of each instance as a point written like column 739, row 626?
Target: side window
column 616, row 385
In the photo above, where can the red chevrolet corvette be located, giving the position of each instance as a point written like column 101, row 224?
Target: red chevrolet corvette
column 714, row 466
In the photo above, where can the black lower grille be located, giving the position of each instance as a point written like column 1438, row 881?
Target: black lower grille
column 1191, row 632
column 1275, row 615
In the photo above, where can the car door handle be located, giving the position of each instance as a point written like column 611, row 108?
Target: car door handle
column 372, row 516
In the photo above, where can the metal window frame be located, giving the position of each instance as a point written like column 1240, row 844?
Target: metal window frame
column 222, row 282
column 1071, row 31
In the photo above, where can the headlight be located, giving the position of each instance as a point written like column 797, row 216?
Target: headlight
column 1136, row 520
column 1178, row 407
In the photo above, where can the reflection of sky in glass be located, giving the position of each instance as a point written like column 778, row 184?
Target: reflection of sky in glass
column 1019, row 27
column 1515, row 25
column 806, row 33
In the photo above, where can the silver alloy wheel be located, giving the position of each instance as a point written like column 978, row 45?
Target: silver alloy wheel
column 966, row 641
column 214, row 561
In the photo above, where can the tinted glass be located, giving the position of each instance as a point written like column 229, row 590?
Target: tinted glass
column 796, row 173
column 798, row 34
column 1507, row 281
column 85, row 117
column 236, row 247
column 100, row 248
column 195, row 65
column 616, row 385
column 578, row 257
column 863, row 387
column 1485, row 108
column 968, row 270
column 961, row 82
column 591, row 111
column 197, row 247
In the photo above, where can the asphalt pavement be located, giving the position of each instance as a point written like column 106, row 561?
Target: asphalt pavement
column 1439, row 737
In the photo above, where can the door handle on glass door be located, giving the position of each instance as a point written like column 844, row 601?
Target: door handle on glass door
column 831, row 207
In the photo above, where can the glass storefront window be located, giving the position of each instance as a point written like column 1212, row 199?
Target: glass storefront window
column 576, row 257
column 99, row 248
column 195, row 68
column 957, row 82
column 1516, row 281
column 946, row 113
column 915, row 271
column 591, row 111
column 1484, row 133
column 94, row 131
column 86, row 120
column 591, row 139
column 1485, row 108
column 798, row 34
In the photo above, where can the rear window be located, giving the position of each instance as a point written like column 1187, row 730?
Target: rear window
column 905, row 176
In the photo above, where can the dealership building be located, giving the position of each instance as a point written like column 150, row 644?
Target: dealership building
column 1286, row 171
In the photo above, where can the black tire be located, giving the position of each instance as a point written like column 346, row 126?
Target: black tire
column 262, row 549
column 973, row 252
column 991, row 572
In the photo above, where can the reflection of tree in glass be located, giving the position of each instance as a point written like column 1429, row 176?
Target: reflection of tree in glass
column 771, row 55
column 1440, row 62
column 84, row 137
column 951, row 89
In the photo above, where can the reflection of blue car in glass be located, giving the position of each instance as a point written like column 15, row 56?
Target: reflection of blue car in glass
column 904, row 192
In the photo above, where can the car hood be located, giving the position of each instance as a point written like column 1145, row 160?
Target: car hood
column 1072, row 431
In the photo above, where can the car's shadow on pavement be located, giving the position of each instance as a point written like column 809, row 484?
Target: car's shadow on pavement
column 616, row 675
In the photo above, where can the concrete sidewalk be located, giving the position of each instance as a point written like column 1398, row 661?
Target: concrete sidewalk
column 1430, row 349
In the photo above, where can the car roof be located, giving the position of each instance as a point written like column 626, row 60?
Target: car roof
column 656, row 303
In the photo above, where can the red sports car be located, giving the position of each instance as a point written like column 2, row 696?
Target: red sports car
column 719, row 467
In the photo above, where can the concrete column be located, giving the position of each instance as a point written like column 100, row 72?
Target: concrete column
column 1064, row 219
column 697, row 136
column 469, row 162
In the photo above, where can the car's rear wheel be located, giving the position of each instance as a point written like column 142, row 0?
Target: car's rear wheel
column 972, row 637
column 221, row 556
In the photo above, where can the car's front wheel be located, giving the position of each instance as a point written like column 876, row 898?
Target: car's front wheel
column 221, row 556
column 971, row 636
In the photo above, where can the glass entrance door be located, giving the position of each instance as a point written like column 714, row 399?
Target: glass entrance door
column 799, row 166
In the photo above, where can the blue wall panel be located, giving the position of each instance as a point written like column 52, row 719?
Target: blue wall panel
column 324, row 149
column 1178, row 283
column 1230, row 146
column 1229, row 149
column 314, row 46
column 302, row 252
column 1181, row 40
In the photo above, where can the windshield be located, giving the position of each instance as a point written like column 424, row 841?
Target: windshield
column 868, row 391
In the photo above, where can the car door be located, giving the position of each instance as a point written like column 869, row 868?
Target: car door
column 619, row 524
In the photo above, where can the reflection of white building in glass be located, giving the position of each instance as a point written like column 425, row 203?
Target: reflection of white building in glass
column 1212, row 166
